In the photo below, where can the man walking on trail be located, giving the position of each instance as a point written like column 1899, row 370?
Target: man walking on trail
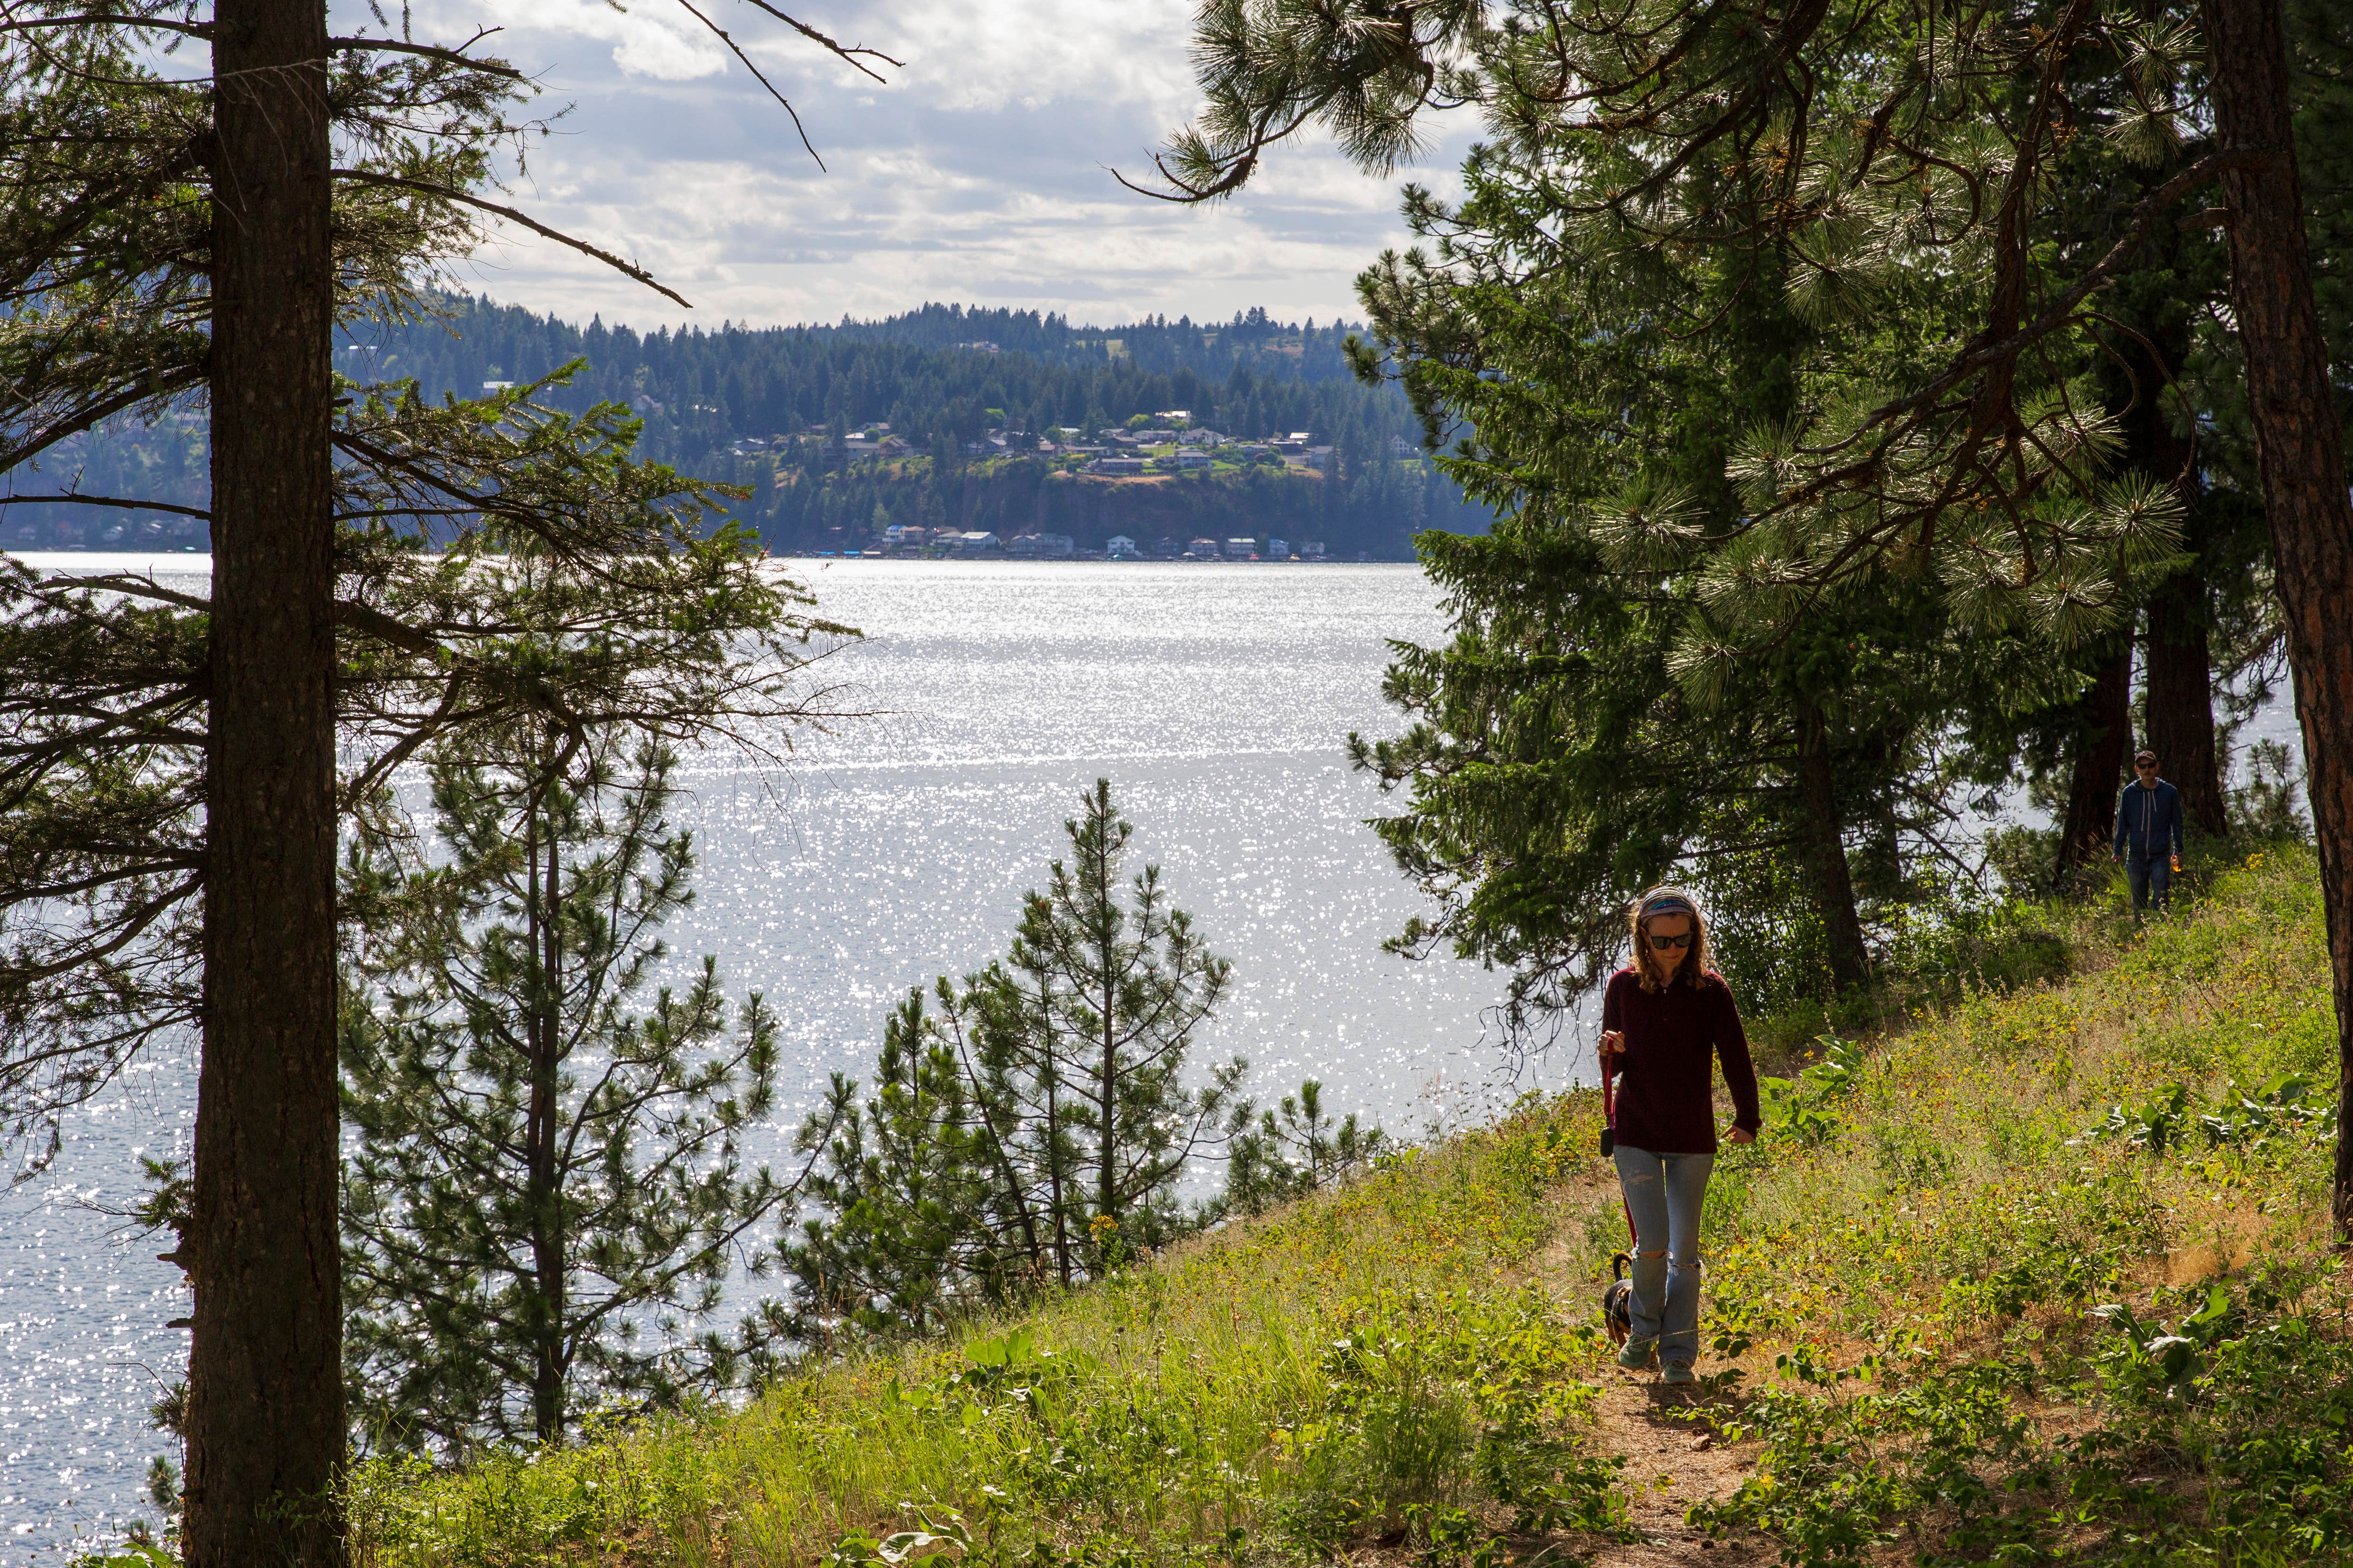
column 2149, row 835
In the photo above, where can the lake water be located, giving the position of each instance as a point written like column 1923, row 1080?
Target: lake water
column 1216, row 698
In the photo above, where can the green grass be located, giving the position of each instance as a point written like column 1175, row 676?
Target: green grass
column 1310, row 1376
column 1919, row 1267
column 1905, row 1282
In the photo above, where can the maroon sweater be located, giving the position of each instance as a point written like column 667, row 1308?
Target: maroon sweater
column 1666, row 1097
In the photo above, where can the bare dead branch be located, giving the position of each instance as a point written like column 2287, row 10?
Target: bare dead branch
column 451, row 194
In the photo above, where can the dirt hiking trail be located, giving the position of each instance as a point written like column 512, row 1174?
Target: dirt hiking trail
column 1673, row 1457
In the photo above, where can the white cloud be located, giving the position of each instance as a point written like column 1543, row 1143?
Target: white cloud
column 657, row 39
column 978, row 173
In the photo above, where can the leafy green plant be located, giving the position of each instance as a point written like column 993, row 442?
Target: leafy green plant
column 1004, row 1367
column 2151, row 1358
column 929, row 1547
column 2157, row 1124
column 1799, row 1108
column 130, row 1554
column 2284, row 1101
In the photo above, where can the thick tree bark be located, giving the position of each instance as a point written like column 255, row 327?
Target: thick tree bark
column 2181, row 703
column 2300, row 453
column 264, row 1424
column 1825, row 847
column 2103, row 739
column 2179, row 667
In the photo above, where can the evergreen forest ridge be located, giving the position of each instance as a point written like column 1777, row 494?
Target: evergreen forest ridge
column 767, row 409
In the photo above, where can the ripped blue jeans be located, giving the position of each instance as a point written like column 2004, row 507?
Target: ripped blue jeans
column 1663, row 1195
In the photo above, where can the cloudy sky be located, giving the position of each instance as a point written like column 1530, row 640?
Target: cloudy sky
column 978, row 174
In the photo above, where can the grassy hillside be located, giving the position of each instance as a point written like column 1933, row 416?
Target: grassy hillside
column 2043, row 1277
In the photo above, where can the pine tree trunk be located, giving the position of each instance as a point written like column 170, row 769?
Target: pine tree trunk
column 1826, row 865
column 265, row 1422
column 545, row 1195
column 1055, row 1172
column 2103, row 738
column 1107, row 1172
column 1106, row 918
column 2179, row 667
column 2181, row 703
column 2299, row 451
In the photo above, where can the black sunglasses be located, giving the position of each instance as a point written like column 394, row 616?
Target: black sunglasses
column 1661, row 943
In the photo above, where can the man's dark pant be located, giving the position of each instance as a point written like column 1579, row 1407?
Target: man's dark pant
column 2150, row 876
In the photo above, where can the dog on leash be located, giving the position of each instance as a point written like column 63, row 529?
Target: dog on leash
column 1617, row 1299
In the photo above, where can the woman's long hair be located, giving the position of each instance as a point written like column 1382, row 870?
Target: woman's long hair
column 1696, row 965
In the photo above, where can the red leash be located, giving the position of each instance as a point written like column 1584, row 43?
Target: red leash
column 1609, row 1120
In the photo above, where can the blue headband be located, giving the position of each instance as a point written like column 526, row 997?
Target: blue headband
column 1666, row 904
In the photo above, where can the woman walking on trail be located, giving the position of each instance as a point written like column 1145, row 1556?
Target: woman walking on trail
column 1667, row 1018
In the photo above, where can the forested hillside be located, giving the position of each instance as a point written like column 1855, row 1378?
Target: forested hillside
column 753, row 407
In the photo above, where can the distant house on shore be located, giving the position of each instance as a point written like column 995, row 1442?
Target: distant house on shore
column 973, row 543
column 1046, row 546
column 1119, row 545
column 1201, row 550
column 1278, row 550
column 1240, row 549
column 1116, row 465
column 1192, row 460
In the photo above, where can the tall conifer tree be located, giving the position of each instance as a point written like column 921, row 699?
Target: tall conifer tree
column 550, row 1181
column 1865, row 144
column 168, row 237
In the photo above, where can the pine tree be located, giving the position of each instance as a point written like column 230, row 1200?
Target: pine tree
column 1834, row 153
column 167, row 234
column 549, row 1181
column 1295, row 1149
column 1125, row 983
column 1031, row 1126
column 900, row 1189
